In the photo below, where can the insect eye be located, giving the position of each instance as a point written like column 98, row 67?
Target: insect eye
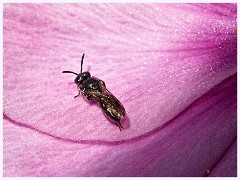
column 82, row 77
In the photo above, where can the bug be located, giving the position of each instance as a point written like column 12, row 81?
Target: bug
column 95, row 89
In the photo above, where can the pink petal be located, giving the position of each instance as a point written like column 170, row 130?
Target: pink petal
column 155, row 58
column 227, row 165
column 188, row 145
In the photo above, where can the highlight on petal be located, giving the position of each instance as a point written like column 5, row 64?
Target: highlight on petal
column 157, row 59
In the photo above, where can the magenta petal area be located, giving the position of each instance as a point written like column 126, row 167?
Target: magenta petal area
column 173, row 66
column 227, row 166
column 199, row 141
column 155, row 58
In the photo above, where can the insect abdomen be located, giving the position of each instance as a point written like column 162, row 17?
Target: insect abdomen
column 112, row 108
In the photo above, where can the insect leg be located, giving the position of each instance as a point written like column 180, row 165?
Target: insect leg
column 119, row 125
column 78, row 93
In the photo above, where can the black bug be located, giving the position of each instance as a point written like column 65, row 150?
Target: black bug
column 95, row 89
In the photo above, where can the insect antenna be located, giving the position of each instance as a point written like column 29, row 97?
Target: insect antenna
column 69, row 72
column 82, row 62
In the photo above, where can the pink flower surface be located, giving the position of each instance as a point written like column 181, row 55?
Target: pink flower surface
column 173, row 67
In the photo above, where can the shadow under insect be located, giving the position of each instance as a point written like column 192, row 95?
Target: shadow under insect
column 93, row 88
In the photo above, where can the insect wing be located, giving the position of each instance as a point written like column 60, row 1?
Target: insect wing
column 109, row 103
